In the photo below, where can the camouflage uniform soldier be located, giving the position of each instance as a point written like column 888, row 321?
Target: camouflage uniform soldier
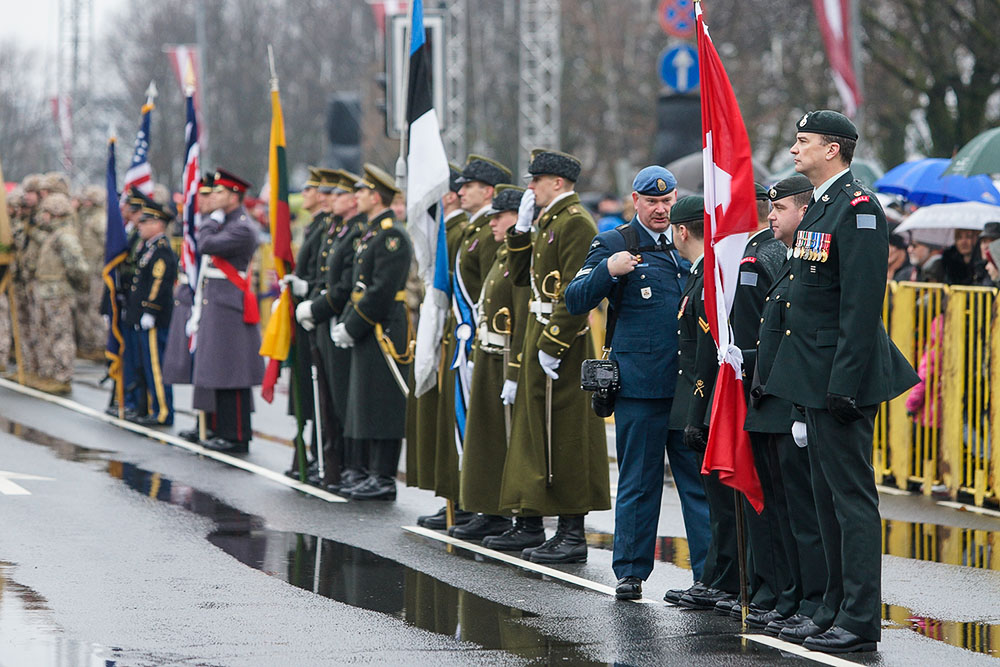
column 59, row 273
column 91, row 223
column 26, row 258
column 13, row 205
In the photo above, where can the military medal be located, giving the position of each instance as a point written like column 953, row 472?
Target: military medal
column 646, row 292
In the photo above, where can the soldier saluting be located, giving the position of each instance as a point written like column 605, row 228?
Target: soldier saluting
column 837, row 364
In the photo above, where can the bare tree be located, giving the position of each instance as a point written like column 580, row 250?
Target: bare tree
column 27, row 134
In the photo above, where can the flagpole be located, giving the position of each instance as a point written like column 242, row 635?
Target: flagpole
column 405, row 129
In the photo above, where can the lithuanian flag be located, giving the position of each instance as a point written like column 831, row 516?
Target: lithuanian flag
column 278, row 335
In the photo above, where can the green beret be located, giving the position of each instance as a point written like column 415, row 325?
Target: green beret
column 554, row 163
column 688, row 209
column 787, row 187
column 828, row 122
column 484, row 170
column 760, row 192
column 507, row 198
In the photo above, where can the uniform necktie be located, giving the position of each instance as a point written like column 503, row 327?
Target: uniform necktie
column 663, row 244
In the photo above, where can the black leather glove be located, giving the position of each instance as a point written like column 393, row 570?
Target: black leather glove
column 843, row 408
column 696, row 437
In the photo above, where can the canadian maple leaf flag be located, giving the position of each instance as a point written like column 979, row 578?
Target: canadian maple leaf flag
column 730, row 217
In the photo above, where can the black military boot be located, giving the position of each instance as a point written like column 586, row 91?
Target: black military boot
column 482, row 526
column 376, row 487
column 439, row 520
column 349, row 477
column 527, row 532
column 570, row 547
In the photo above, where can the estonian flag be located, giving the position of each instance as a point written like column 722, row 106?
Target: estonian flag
column 427, row 181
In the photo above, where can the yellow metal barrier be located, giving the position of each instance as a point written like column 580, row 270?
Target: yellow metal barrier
column 947, row 332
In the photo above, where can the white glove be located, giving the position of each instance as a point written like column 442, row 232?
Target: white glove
column 509, row 392
column 340, row 337
column 107, row 320
column 191, row 327
column 526, row 211
column 549, row 364
column 218, row 215
column 298, row 286
column 274, row 305
column 799, row 434
column 147, row 321
column 304, row 315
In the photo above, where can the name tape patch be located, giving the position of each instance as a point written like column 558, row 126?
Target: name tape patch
column 858, row 200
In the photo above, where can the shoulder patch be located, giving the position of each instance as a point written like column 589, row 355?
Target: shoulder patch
column 860, row 199
column 596, row 243
column 866, row 221
column 392, row 243
column 748, row 260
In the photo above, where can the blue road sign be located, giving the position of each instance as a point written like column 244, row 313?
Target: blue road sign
column 679, row 67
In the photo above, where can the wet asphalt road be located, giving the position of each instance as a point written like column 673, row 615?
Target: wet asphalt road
column 135, row 552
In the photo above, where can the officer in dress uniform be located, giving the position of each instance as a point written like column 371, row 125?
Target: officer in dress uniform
column 226, row 359
column 425, row 427
column 315, row 200
column 502, row 315
column 135, row 388
column 377, row 329
column 770, row 418
column 837, row 364
column 476, row 187
column 767, row 569
column 149, row 307
column 316, row 314
column 326, row 310
column 651, row 278
column 557, row 463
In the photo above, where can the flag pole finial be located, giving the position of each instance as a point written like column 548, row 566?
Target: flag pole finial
column 274, row 72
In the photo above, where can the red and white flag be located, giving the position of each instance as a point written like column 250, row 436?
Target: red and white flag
column 834, row 17
column 730, row 217
column 62, row 113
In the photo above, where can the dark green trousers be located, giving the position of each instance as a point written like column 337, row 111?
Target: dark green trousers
column 849, row 523
column 767, row 572
column 721, row 568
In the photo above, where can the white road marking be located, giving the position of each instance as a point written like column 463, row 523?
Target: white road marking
column 516, row 561
column 170, row 439
column 892, row 491
column 795, row 649
column 968, row 508
column 10, row 488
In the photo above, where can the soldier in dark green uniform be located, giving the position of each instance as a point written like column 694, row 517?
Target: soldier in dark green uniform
column 502, row 315
column 837, row 364
column 429, row 427
column 377, row 328
column 698, row 368
column 476, row 184
column 770, row 418
column 325, row 309
column 557, row 462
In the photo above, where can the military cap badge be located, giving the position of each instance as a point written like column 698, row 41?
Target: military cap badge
column 805, row 119
column 772, row 193
column 661, row 184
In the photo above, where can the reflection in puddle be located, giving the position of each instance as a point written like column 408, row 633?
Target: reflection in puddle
column 941, row 544
column 357, row 577
column 31, row 637
column 64, row 449
column 978, row 637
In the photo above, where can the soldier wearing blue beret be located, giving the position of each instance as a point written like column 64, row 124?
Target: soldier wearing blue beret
column 638, row 270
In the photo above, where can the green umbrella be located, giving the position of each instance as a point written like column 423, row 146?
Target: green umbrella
column 865, row 171
column 979, row 156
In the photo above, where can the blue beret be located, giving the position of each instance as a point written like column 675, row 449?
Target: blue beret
column 654, row 181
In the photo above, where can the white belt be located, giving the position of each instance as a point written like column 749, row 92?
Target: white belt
column 491, row 339
column 214, row 272
column 540, row 309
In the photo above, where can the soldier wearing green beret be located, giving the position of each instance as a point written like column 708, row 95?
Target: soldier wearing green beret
column 837, row 365
column 557, row 461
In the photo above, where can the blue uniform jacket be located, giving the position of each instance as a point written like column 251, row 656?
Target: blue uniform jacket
column 645, row 339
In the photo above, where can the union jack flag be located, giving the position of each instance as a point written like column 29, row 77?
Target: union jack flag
column 190, row 257
column 139, row 174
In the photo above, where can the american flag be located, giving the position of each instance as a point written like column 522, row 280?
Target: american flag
column 139, row 174
column 190, row 217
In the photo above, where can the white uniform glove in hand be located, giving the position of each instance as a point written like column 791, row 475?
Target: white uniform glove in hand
column 298, row 286
column 191, row 327
column 340, row 337
column 218, row 215
column 549, row 364
column 304, row 315
column 799, row 434
column 526, row 211
column 509, row 392
column 147, row 321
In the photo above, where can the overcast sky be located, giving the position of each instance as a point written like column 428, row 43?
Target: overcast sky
column 33, row 22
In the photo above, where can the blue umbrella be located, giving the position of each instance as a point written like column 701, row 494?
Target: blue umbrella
column 920, row 182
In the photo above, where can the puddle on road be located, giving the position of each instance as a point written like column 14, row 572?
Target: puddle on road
column 357, row 577
column 62, row 448
column 31, row 636
column 978, row 637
